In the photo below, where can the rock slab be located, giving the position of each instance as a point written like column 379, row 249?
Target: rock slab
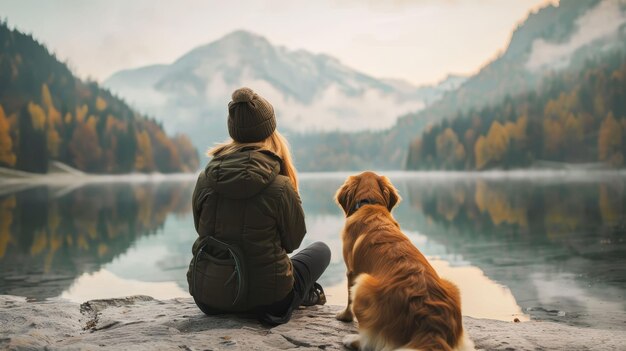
column 143, row 323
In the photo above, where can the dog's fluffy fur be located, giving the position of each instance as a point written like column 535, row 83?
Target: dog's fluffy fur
column 397, row 297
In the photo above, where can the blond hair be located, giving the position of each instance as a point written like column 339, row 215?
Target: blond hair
column 275, row 143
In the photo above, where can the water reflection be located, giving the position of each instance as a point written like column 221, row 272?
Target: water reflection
column 559, row 246
column 49, row 235
column 549, row 249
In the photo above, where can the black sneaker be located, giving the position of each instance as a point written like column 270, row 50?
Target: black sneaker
column 315, row 296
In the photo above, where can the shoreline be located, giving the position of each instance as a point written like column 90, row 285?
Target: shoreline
column 62, row 174
column 145, row 323
column 65, row 179
column 547, row 175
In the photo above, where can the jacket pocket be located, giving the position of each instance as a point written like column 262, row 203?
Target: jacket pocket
column 213, row 281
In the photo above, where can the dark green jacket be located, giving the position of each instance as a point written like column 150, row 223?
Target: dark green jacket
column 241, row 199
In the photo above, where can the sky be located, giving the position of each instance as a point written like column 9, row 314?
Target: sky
column 420, row 41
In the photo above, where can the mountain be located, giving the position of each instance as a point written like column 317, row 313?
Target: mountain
column 309, row 92
column 47, row 114
column 429, row 93
column 551, row 40
column 574, row 55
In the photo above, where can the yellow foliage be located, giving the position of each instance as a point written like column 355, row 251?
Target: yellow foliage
column 480, row 196
column 521, row 126
column 55, row 243
column 517, row 131
column 84, row 145
column 92, row 122
column 610, row 141
column 68, row 118
column 54, row 140
column 81, row 112
column 91, row 229
column 559, row 108
column 82, row 242
column 37, row 115
column 113, row 123
column 481, row 154
column 494, row 146
column 6, row 143
column 498, row 206
column 6, row 219
column 553, row 136
column 54, row 116
column 145, row 210
column 144, row 161
column 102, row 249
column 101, row 104
column 40, row 242
column 449, row 204
column 497, row 141
column 46, row 97
column 449, row 147
column 610, row 205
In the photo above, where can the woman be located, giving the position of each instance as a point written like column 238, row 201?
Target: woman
column 248, row 216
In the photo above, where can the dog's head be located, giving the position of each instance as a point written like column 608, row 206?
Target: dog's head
column 367, row 186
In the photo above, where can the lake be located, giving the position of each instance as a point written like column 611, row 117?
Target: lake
column 519, row 245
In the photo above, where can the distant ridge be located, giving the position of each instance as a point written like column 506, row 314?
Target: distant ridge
column 310, row 92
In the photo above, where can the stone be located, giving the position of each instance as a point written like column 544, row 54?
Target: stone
column 143, row 323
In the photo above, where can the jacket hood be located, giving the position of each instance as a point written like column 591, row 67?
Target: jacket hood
column 243, row 174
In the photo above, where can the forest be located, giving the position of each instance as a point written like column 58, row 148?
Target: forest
column 46, row 114
column 575, row 117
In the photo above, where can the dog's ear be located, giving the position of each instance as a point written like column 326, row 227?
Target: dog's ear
column 390, row 193
column 345, row 194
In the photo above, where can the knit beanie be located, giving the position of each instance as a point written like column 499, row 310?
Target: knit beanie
column 250, row 117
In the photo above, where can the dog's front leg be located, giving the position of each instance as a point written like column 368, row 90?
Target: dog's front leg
column 346, row 315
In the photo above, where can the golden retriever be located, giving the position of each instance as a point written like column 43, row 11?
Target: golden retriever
column 396, row 296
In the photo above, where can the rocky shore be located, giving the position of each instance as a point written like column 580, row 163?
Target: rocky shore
column 141, row 322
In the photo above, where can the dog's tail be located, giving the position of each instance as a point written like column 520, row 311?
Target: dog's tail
column 392, row 311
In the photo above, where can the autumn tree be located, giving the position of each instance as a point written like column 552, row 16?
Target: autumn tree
column 7, row 155
column 481, row 153
column 497, row 141
column 144, row 161
column 85, row 147
column 53, row 120
column 449, row 148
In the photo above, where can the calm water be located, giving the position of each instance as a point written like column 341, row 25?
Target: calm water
column 548, row 248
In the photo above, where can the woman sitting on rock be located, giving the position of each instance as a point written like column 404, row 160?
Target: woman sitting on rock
column 248, row 216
